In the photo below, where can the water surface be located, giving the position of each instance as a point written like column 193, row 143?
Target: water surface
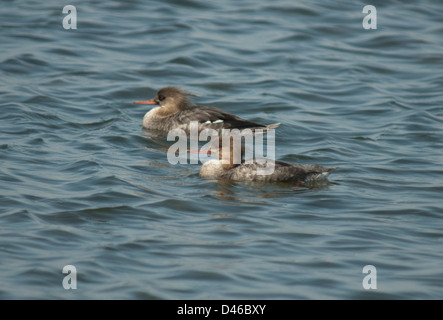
column 82, row 184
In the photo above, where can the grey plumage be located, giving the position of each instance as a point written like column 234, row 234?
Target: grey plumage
column 176, row 110
column 282, row 172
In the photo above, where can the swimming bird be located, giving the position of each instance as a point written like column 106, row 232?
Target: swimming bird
column 174, row 109
column 260, row 170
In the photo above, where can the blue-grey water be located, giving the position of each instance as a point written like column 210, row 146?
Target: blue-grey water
column 82, row 184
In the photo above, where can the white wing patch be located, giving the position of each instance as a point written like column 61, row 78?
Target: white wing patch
column 213, row 122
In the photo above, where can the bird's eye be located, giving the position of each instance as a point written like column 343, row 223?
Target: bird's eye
column 161, row 98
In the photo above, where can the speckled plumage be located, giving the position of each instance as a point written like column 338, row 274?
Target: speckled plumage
column 260, row 170
column 175, row 111
column 283, row 172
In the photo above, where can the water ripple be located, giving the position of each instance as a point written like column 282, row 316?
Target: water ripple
column 81, row 183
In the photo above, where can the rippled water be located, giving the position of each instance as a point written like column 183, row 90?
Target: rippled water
column 82, row 184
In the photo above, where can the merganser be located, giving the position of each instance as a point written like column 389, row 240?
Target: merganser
column 176, row 110
column 225, row 168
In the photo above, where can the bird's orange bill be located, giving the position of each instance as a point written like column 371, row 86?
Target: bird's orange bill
column 152, row 101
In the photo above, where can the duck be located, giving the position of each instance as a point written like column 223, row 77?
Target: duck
column 229, row 165
column 175, row 110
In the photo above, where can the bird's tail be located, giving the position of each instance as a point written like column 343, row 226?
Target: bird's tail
column 322, row 175
column 272, row 126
